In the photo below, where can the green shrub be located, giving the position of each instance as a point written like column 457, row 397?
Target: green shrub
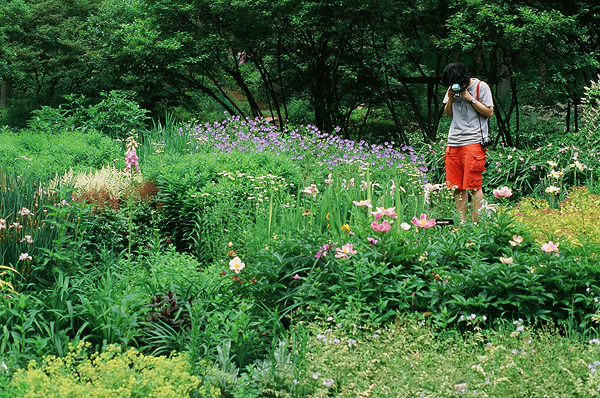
column 115, row 116
column 109, row 374
column 207, row 201
column 575, row 220
column 43, row 156
column 408, row 357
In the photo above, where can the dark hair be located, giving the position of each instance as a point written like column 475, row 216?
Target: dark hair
column 455, row 73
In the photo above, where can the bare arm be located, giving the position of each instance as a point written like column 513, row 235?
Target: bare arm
column 448, row 106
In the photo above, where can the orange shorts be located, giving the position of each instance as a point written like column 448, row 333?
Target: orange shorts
column 464, row 166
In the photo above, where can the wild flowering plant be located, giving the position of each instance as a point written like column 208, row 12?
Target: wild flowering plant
column 328, row 152
column 131, row 157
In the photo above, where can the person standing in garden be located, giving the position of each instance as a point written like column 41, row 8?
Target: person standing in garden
column 468, row 102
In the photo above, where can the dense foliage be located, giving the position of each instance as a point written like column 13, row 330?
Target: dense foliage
column 370, row 67
column 235, row 238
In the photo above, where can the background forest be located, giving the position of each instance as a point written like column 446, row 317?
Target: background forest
column 369, row 67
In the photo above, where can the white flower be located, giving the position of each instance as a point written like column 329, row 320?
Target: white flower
column 552, row 189
column 235, row 264
column 579, row 165
column 405, row 226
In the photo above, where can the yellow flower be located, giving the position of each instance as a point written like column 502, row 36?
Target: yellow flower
column 346, row 228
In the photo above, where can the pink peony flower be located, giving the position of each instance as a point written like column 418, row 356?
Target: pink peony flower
column 550, row 247
column 382, row 211
column 383, row 227
column 504, row 192
column 390, row 212
column 423, row 222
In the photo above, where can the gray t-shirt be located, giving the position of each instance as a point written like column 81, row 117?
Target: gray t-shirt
column 468, row 126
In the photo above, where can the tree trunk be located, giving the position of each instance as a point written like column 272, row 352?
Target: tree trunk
column 3, row 93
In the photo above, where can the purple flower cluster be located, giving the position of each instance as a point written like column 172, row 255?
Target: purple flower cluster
column 328, row 150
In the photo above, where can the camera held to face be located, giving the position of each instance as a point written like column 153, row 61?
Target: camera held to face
column 457, row 88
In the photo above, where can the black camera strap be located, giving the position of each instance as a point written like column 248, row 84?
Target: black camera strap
column 479, row 114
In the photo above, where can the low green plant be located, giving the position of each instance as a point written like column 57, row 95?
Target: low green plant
column 408, row 357
column 42, row 156
column 113, row 372
column 575, row 220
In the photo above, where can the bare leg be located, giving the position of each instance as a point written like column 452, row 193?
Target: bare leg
column 461, row 198
column 477, row 195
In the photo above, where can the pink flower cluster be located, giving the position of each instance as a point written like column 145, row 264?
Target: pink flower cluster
column 323, row 250
column 131, row 157
column 384, row 226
